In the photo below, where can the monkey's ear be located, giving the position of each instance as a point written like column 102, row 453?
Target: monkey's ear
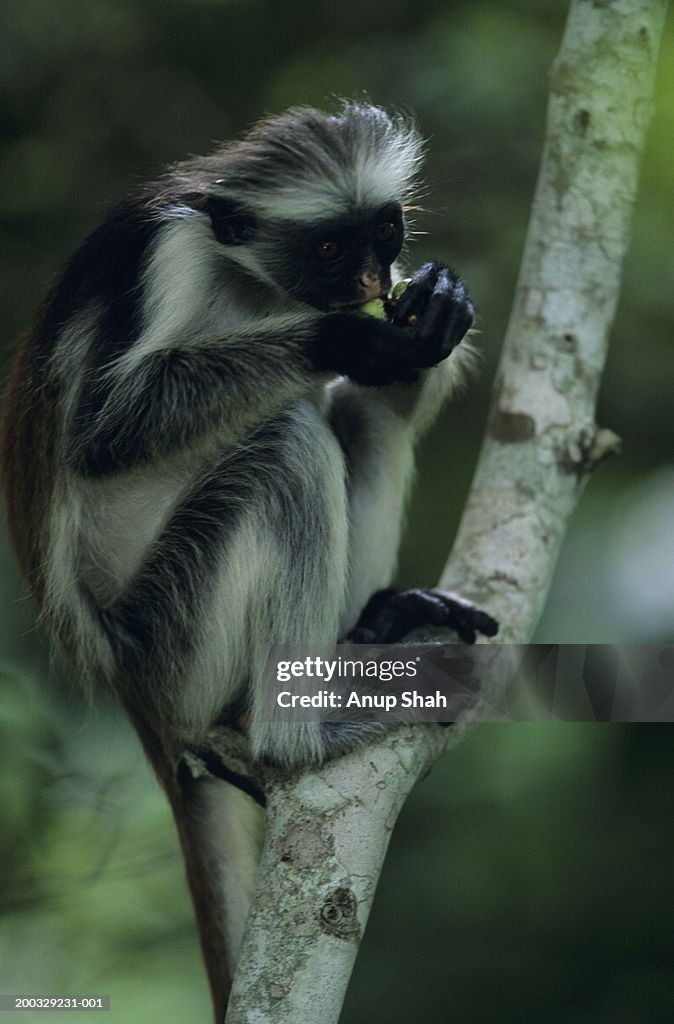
column 231, row 224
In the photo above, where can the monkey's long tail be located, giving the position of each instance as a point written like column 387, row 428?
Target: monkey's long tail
column 220, row 830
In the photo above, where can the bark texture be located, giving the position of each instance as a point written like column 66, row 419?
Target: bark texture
column 542, row 439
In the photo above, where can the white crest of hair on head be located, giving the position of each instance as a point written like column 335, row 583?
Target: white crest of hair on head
column 325, row 164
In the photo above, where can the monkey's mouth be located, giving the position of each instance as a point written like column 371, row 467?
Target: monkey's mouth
column 353, row 305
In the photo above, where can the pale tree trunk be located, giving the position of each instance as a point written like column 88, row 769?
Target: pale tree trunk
column 328, row 830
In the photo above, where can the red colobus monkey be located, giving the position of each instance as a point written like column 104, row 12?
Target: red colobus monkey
column 207, row 447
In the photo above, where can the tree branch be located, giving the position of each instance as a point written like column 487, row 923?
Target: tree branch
column 328, row 830
column 542, row 439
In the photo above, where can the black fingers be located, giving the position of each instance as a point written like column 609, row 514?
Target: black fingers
column 449, row 313
column 391, row 614
column 438, row 303
column 464, row 617
column 414, row 299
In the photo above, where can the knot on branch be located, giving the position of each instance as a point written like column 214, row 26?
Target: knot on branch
column 339, row 915
column 592, row 446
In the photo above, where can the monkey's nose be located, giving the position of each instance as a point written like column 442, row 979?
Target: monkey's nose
column 371, row 282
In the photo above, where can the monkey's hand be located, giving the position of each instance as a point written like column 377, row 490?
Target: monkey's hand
column 429, row 320
column 367, row 349
column 437, row 303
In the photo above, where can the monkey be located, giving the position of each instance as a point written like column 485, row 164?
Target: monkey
column 207, row 445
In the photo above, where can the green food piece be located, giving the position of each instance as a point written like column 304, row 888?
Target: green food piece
column 375, row 307
column 399, row 290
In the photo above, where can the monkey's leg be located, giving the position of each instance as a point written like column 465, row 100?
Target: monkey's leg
column 255, row 554
column 377, row 430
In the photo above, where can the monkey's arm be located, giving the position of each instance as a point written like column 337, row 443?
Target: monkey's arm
column 377, row 429
column 157, row 403
column 149, row 405
column 164, row 344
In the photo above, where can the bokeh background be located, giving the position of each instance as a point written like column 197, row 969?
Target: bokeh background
column 531, row 876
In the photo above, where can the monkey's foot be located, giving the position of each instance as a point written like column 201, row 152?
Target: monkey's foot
column 391, row 614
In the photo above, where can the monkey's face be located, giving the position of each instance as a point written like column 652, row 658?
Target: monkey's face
column 338, row 263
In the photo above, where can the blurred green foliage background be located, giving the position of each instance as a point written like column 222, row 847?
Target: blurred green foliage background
column 531, row 875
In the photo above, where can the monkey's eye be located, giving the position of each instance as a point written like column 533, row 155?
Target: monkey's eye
column 386, row 231
column 329, row 250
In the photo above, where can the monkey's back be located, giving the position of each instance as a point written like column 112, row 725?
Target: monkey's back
column 27, row 448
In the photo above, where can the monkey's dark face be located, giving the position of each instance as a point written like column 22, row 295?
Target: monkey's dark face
column 338, row 263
